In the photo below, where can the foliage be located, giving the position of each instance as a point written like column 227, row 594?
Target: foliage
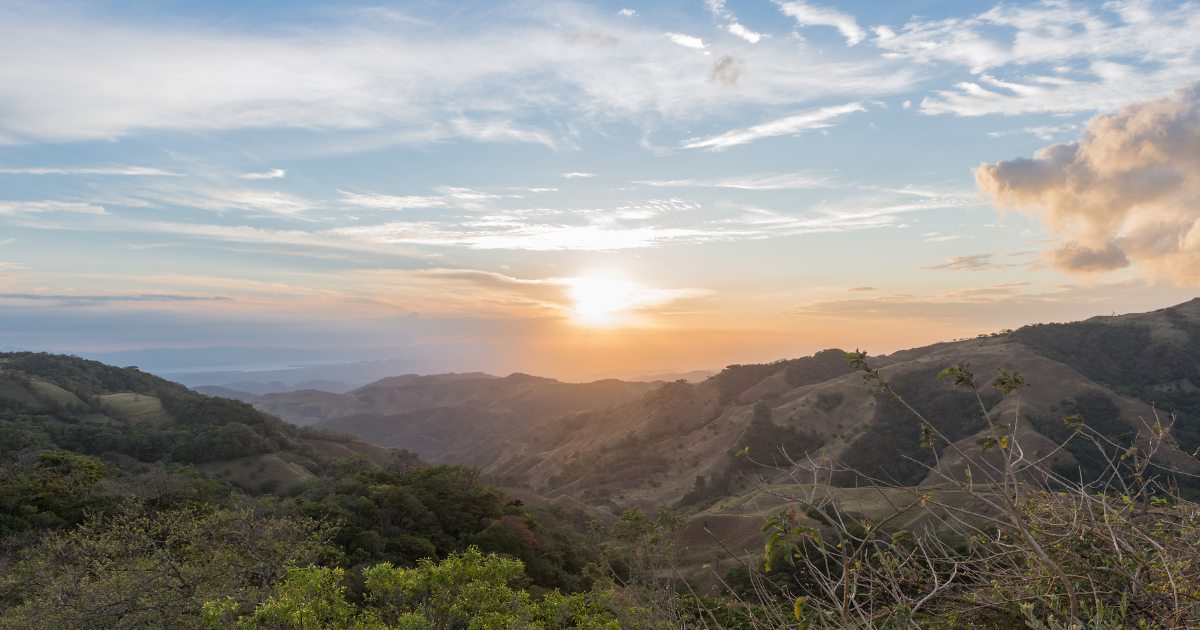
column 890, row 445
column 142, row 567
column 1129, row 359
column 466, row 590
column 403, row 516
column 822, row 366
column 52, row 492
column 54, row 401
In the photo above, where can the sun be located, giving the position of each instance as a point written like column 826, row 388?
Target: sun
column 599, row 300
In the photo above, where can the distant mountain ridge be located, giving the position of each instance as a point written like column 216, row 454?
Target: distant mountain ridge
column 657, row 446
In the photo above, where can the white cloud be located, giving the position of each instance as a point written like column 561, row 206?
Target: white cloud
column 23, row 207
column 744, row 33
column 626, row 13
column 1102, row 56
column 786, row 181
column 808, row 15
column 391, row 202
column 70, row 76
column 573, row 175
column 115, row 170
column 813, row 119
column 271, row 174
column 686, row 40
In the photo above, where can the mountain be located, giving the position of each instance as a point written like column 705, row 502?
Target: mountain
column 673, row 443
column 225, row 392
column 125, row 416
column 454, row 419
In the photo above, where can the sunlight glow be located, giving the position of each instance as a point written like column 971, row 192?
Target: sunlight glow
column 598, row 300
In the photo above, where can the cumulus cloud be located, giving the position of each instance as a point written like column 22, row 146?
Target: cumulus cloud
column 271, row 174
column 808, row 15
column 1128, row 192
column 812, row 119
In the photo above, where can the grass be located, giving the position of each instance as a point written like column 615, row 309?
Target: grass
column 135, row 408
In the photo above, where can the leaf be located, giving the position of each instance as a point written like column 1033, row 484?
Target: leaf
column 1009, row 382
column 987, row 444
column 1073, row 422
column 1003, row 442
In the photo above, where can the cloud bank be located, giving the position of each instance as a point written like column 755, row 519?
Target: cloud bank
column 1128, row 193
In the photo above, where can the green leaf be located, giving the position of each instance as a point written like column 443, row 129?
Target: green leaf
column 987, row 444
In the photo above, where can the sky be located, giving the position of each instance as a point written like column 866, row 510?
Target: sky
column 586, row 189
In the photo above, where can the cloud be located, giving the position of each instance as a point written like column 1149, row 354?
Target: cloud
column 766, row 181
column 855, row 289
column 812, row 119
column 271, row 174
column 1044, row 132
column 23, row 207
column 971, row 303
column 626, row 13
column 686, row 40
column 744, row 33
column 1065, row 56
column 148, row 297
column 808, row 15
column 1128, row 193
column 976, row 262
column 362, row 82
column 391, row 202
column 574, row 175
column 115, row 170
column 218, row 199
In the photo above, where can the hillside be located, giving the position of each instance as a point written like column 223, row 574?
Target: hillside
column 125, row 416
column 448, row 419
column 672, row 443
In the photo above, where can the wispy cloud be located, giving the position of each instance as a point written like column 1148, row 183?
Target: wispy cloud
column 22, row 207
column 766, row 181
column 626, row 13
column 808, row 15
column 147, row 297
column 1100, row 56
column 393, row 76
column 274, row 173
column 391, row 202
column 112, row 170
column 573, row 175
column 978, row 262
column 812, row 119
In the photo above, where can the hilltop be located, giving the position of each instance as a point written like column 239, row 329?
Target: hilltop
column 127, row 417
